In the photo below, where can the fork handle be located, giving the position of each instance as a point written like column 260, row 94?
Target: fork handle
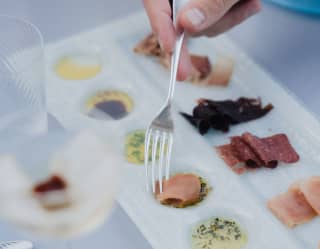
column 176, row 5
column 174, row 65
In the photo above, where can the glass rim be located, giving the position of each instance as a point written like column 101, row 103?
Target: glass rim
column 28, row 23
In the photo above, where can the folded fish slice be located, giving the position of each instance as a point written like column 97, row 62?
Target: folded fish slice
column 291, row 207
column 226, row 152
column 282, row 148
column 245, row 153
column 311, row 190
column 180, row 190
column 90, row 169
column 272, row 149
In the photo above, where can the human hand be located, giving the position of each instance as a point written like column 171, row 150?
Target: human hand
column 197, row 18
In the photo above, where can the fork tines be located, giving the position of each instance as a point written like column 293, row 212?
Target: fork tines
column 160, row 144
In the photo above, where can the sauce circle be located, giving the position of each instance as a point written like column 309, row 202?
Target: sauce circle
column 79, row 66
column 218, row 233
column 134, row 147
column 109, row 105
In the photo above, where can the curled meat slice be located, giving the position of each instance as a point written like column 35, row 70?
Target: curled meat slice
column 180, row 190
column 311, row 190
column 227, row 153
column 291, row 207
column 249, row 152
column 245, row 153
column 272, row 149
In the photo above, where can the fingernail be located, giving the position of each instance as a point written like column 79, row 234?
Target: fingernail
column 195, row 16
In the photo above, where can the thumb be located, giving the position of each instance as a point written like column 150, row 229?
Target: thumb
column 198, row 15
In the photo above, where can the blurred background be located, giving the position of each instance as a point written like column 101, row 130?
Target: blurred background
column 283, row 41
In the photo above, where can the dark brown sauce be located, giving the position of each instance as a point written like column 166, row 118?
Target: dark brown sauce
column 115, row 109
column 54, row 183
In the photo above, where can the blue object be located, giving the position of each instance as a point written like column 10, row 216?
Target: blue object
column 307, row 6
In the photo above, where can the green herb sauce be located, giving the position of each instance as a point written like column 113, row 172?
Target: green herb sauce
column 134, row 149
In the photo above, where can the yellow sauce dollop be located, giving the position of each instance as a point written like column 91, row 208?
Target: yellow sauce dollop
column 70, row 68
column 218, row 233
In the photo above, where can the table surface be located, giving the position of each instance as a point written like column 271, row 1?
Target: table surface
column 285, row 43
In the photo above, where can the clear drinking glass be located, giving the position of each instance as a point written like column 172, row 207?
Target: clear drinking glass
column 22, row 78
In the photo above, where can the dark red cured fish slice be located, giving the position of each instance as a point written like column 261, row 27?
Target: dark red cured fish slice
column 281, row 146
column 245, row 153
column 248, row 152
column 227, row 153
column 272, row 149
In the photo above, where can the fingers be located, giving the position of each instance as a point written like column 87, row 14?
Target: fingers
column 159, row 13
column 198, row 15
column 185, row 66
column 237, row 14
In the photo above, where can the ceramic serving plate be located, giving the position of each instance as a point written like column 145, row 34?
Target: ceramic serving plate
column 240, row 197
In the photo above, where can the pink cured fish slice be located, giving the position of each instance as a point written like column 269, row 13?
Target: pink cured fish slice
column 311, row 190
column 180, row 190
column 291, row 207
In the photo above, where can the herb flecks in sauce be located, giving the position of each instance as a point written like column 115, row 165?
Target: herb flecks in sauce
column 134, row 148
column 108, row 105
column 218, row 233
column 205, row 189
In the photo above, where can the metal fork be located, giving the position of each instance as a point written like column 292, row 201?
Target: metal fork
column 159, row 135
column 16, row 245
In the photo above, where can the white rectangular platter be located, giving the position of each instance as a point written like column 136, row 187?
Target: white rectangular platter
column 242, row 197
